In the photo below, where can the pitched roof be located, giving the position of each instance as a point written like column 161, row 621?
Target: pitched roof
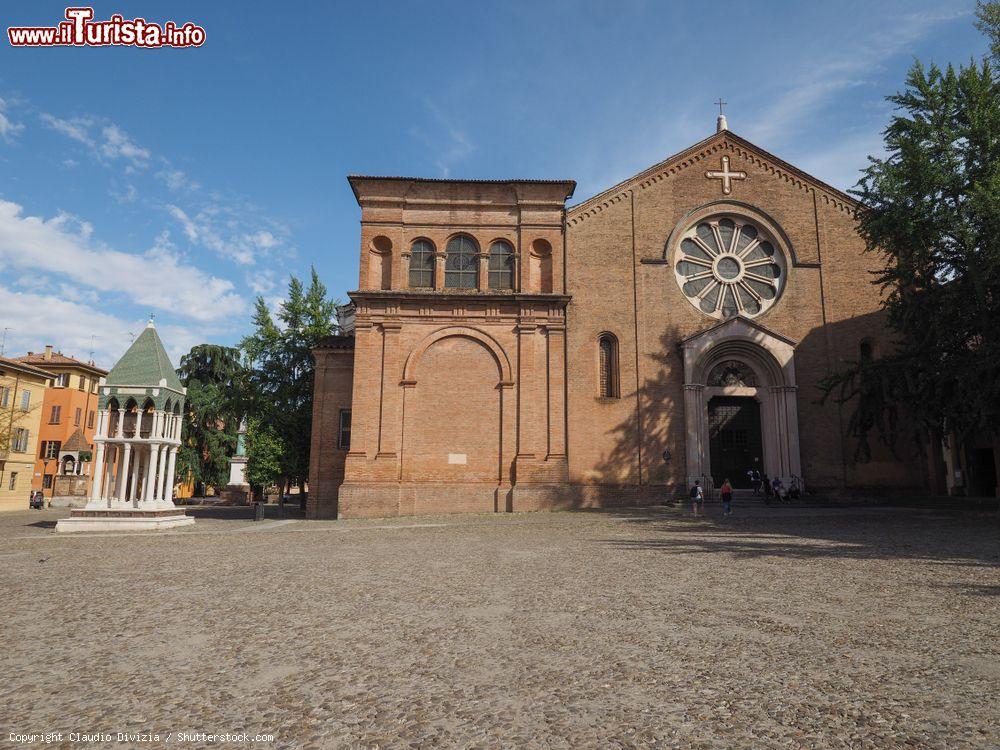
column 58, row 359
column 15, row 364
column 769, row 161
column 145, row 363
column 76, row 442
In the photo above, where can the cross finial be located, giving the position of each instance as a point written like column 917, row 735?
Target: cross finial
column 720, row 121
column 149, row 323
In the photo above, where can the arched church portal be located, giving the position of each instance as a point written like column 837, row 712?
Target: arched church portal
column 740, row 404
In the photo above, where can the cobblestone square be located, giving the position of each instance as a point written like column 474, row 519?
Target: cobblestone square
column 781, row 628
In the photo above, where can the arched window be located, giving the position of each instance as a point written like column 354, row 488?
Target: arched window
column 501, row 266
column 608, row 348
column 461, row 266
column 422, row 264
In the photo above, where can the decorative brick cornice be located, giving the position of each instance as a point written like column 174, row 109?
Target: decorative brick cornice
column 724, row 142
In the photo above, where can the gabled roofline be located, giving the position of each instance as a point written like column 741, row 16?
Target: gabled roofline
column 701, row 146
column 729, row 321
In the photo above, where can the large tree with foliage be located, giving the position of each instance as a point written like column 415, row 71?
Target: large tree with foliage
column 213, row 376
column 280, row 379
column 988, row 15
column 932, row 214
column 265, row 456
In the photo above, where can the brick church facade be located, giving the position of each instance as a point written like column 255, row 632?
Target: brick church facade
column 510, row 352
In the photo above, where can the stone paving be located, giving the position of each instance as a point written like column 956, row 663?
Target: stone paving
column 777, row 628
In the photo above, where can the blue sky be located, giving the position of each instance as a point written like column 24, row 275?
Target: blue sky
column 185, row 182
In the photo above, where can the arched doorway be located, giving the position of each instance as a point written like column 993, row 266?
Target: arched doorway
column 735, row 440
column 740, row 404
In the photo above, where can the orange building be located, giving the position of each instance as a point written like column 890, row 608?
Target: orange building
column 68, row 421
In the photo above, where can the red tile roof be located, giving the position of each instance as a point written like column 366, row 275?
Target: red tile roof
column 58, row 359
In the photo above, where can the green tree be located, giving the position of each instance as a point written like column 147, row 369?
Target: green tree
column 932, row 214
column 988, row 15
column 213, row 376
column 265, row 456
column 280, row 378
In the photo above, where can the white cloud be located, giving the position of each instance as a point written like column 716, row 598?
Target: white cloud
column 117, row 145
column 190, row 229
column 77, row 128
column 847, row 67
column 175, row 179
column 261, row 282
column 128, row 195
column 228, row 226
column 156, row 278
column 108, row 142
column 8, row 128
column 75, row 326
column 220, row 229
column 450, row 146
column 263, row 239
column 39, row 319
column 841, row 164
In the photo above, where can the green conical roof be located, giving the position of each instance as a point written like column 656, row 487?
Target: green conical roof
column 145, row 363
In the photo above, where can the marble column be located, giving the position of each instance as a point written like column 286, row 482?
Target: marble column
column 162, row 481
column 107, row 491
column 121, row 484
column 149, row 493
column 97, row 470
column 169, row 476
column 136, row 468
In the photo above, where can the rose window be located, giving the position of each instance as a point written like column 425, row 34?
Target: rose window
column 730, row 266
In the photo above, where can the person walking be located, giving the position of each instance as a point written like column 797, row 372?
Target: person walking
column 778, row 487
column 697, row 497
column 755, row 481
column 727, row 498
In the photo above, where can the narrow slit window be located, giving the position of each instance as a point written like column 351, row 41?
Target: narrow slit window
column 608, row 347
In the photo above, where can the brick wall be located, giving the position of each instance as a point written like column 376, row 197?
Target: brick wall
column 510, row 379
column 334, row 383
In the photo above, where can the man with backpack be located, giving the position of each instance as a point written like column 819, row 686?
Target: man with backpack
column 697, row 498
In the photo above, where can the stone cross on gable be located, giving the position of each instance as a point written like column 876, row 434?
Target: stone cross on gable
column 726, row 176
